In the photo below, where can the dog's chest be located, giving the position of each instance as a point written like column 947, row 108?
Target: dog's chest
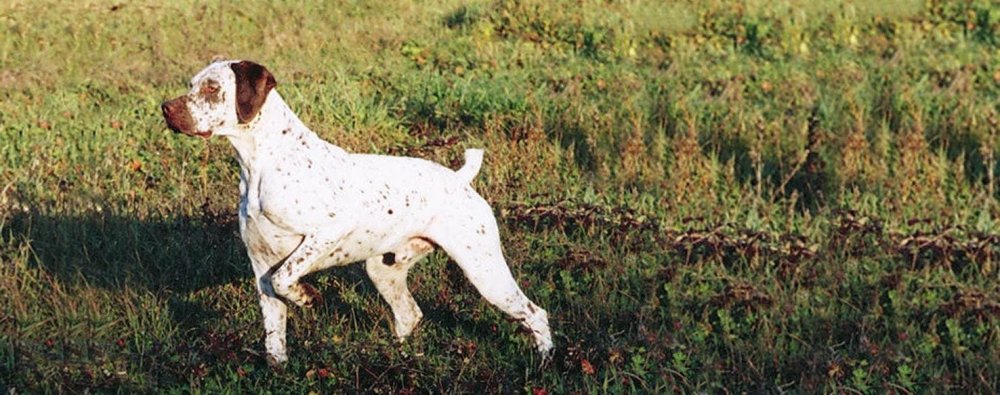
column 265, row 240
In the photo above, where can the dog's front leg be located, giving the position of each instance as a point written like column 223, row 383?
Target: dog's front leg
column 321, row 247
column 274, row 311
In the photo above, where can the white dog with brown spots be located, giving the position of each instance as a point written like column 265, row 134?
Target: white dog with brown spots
column 307, row 205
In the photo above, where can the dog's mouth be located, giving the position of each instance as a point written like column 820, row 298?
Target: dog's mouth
column 203, row 134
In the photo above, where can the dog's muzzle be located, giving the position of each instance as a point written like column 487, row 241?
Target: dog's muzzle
column 179, row 119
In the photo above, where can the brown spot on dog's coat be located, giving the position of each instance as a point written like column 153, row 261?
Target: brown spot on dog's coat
column 210, row 92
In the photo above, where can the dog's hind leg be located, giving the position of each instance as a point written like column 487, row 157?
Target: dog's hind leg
column 388, row 272
column 474, row 243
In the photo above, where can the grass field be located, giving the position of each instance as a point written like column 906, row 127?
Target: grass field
column 707, row 196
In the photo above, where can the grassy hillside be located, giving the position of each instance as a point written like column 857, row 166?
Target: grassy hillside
column 757, row 196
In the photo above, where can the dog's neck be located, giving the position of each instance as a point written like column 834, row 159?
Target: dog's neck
column 274, row 121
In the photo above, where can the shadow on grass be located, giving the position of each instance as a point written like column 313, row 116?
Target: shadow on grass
column 142, row 263
column 191, row 265
column 176, row 257
column 177, row 254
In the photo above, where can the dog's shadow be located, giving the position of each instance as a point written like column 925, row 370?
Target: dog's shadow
column 175, row 258
column 170, row 258
column 179, row 254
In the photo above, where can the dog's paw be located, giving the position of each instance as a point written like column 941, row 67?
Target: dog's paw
column 277, row 363
column 309, row 296
column 546, row 354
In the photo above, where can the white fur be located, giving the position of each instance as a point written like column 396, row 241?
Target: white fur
column 307, row 205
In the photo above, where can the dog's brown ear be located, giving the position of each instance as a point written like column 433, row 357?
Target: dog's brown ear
column 253, row 83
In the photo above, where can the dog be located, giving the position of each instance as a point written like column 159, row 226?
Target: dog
column 308, row 205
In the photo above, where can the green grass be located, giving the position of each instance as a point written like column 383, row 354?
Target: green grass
column 705, row 195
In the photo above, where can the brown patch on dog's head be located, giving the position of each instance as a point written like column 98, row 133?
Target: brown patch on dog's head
column 211, row 92
column 253, row 83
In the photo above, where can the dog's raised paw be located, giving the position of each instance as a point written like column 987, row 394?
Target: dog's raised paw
column 310, row 296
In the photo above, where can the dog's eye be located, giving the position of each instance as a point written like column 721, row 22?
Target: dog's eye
column 209, row 89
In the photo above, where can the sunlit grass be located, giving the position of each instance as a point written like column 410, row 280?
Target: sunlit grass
column 756, row 196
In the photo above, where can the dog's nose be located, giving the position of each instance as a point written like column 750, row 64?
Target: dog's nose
column 166, row 107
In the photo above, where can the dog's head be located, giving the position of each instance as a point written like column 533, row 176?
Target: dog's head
column 223, row 96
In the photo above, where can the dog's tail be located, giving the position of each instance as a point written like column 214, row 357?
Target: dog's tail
column 473, row 161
